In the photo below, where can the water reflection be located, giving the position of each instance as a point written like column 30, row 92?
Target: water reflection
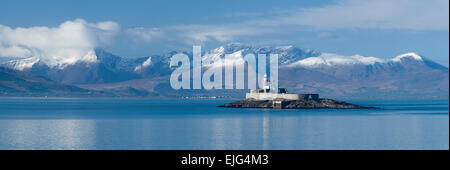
column 47, row 134
column 153, row 125
column 266, row 131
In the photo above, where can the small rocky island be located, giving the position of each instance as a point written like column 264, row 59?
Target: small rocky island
column 279, row 99
column 294, row 104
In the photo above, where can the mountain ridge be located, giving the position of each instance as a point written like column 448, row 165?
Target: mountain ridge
column 410, row 74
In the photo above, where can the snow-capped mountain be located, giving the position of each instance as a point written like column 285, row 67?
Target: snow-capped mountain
column 301, row 70
column 106, row 68
column 408, row 75
column 286, row 54
column 22, row 64
column 157, row 64
column 330, row 60
column 334, row 60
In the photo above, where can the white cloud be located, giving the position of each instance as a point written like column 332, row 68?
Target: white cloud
column 144, row 34
column 74, row 40
column 14, row 51
column 222, row 33
column 378, row 14
column 345, row 14
column 326, row 35
column 71, row 41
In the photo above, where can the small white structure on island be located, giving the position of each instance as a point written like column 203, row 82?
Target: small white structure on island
column 265, row 93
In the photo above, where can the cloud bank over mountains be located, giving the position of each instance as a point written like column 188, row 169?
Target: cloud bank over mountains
column 75, row 40
column 67, row 43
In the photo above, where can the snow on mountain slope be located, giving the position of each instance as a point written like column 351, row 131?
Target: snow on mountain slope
column 59, row 63
column 331, row 60
column 301, row 70
column 236, row 51
column 144, row 65
column 407, row 55
column 293, row 62
column 289, row 56
column 21, row 64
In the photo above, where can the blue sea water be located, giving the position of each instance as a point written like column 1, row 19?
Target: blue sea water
column 71, row 123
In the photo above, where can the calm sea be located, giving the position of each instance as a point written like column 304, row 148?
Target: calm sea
column 57, row 123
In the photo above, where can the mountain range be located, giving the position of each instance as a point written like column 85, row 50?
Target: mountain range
column 407, row 76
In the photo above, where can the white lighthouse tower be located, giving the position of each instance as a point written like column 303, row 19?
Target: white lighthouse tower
column 266, row 84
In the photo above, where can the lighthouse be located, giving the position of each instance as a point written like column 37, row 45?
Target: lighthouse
column 265, row 93
column 266, row 84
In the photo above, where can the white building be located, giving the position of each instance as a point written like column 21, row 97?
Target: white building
column 281, row 94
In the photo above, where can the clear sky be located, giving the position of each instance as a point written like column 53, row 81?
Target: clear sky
column 379, row 28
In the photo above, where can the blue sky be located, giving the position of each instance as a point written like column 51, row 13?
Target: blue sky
column 378, row 28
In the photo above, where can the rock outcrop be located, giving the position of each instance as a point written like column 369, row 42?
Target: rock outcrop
column 294, row 104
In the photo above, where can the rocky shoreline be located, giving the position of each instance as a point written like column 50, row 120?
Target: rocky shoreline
column 294, row 104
